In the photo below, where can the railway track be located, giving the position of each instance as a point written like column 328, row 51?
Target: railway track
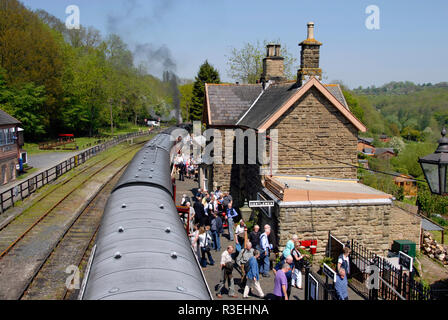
column 18, row 228
column 32, row 240
column 50, row 280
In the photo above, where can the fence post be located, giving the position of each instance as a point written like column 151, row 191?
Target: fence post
column 307, row 274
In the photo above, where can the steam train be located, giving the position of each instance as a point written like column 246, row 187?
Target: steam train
column 142, row 251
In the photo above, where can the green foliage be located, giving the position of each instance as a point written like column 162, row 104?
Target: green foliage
column 328, row 261
column 411, row 134
column 354, row 106
column 408, row 158
column 206, row 74
column 186, row 95
column 58, row 80
column 246, row 64
column 432, row 204
column 410, row 108
column 24, row 103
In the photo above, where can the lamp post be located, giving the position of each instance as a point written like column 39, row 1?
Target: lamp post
column 435, row 167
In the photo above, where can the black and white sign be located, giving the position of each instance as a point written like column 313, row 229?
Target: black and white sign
column 329, row 272
column 261, row 204
column 313, row 288
column 405, row 260
column 265, row 210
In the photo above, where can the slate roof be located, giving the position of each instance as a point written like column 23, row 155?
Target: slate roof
column 249, row 105
column 271, row 99
column 430, row 226
column 379, row 151
column 6, row 119
column 366, row 140
column 228, row 102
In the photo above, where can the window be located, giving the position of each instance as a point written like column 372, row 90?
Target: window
column 7, row 136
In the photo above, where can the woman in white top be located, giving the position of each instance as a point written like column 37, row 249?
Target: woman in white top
column 194, row 236
column 205, row 244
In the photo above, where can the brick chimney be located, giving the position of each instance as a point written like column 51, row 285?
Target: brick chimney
column 309, row 57
column 273, row 64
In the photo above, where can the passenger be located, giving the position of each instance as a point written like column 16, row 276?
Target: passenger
column 194, row 236
column 226, row 200
column 199, row 212
column 266, row 247
column 298, row 265
column 252, row 275
column 227, row 270
column 289, row 246
column 205, row 244
column 192, row 214
column 344, row 261
column 240, row 232
column 341, row 285
column 231, row 215
column 254, row 237
column 243, row 259
column 290, row 261
column 281, row 283
column 217, row 230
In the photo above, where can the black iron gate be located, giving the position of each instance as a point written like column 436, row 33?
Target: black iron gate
column 375, row 278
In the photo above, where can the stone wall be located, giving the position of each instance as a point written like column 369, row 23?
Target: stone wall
column 314, row 125
column 309, row 56
column 404, row 226
column 373, row 226
column 273, row 68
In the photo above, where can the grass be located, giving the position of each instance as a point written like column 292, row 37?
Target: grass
column 411, row 201
column 86, row 142
column 28, row 172
column 437, row 235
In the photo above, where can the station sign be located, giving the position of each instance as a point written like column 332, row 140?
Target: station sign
column 405, row 260
column 261, row 204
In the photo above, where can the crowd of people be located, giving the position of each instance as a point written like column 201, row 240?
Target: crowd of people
column 210, row 213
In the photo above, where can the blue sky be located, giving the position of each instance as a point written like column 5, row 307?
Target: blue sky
column 411, row 43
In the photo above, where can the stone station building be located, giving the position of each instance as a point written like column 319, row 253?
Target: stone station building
column 310, row 170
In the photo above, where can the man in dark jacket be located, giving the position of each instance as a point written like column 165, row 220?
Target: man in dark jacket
column 226, row 200
column 254, row 237
column 216, row 229
column 199, row 212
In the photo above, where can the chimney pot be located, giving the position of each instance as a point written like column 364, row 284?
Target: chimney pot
column 310, row 30
column 273, row 68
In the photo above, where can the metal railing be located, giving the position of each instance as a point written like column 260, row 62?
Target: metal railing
column 317, row 288
column 395, row 283
column 28, row 187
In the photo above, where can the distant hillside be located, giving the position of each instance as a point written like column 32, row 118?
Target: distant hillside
column 415, row 111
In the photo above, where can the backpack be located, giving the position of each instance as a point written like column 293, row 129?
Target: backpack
column 246, row 267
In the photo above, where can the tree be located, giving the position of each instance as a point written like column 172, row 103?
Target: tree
column 186, row 94
column 24, row 103
column 246, row 64
column 206, row 74
column 354, row 105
